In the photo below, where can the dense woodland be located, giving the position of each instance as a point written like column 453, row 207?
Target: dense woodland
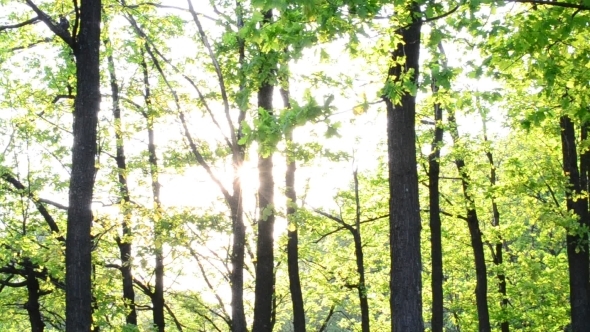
column 294, row 165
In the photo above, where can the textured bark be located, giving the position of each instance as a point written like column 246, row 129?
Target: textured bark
column 360, row 260
column 404, row 209
column 577, row 244
column 481, row 286
column 123, row 243
column 237, row 255
column 437, row 322
column 158, row 295
column 292, row 235
column 79, row 221
column 264, row 288
column 362, row 286
column 499, row 247
column 238, row 323
column 33, row 307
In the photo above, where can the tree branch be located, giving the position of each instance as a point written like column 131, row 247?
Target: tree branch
column 54, row 27
column 34, row 20
column 430, row 19
column 219, row 73
column 553, row 3
column 40, row 207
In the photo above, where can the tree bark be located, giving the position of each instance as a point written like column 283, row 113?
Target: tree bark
column 158, row 297
column 404, row 216
column 481, row 287
column 124, row 243
column 292, row 234
column 499, row 246
column 33, row 307
column 264, row 289
column 577, row 244
column 79, row 221
column 360, row 259
column 437, row 322
column 238, row 323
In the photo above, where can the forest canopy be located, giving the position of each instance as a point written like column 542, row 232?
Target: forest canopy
column 294, row 165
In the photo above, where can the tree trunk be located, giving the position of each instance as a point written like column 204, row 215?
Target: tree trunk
column 437, row 322
column 404, row 216
column 33, row 307
column 292, row 235
column 499, row 247
column 238, row 322
column 264, row 289
column 123, row 243
column 577, row 244
column 360, row 259
column 481, row 286
column 158, row 297
column 79, row 221
column 237, row 257
column 362, row 286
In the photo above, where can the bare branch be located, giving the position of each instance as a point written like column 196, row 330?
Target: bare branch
column 59, row 97
column 157, row 5
column 40, row 207
column 181, row 116
column 430, row 19
column 55, row 204
column 327, row 320
column 220, row 78
column 54, row 27
column 554, row 4
column 171, row 313
column 33, row 20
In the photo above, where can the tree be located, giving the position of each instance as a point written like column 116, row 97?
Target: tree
column 404, row 210
column 84, row 40
column 264, row 291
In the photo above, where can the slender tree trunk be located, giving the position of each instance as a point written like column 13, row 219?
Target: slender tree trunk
column 123, row 243
column 292, row 235
column 499, row 247
column 324, row 326
column 481, row 287
column 158, row 296
column 33, row 307
column 577, row 244
column 237, row 255
column 404, row 215
column 87, row 105
column 360, row 260
column 264, row 289
column 437, row 322
column 362, row 285
column 238, row 323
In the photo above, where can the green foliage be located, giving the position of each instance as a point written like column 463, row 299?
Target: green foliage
column 514, row 68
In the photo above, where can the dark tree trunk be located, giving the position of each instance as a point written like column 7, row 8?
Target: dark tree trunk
column 123, row 243
column 237, row 255
column 264, row 289
column 87, row 105
column 481, row 287
column 437, row 322
column 158, row 297
column 292, row 235
column 238, row 322
column 499, row 247
column 32, row 305
column 362, row 286
column 404, row 215
column 577, row 244
column 360, row 260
